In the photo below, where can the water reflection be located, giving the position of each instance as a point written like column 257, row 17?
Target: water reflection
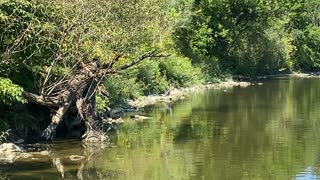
column 307, row 174
column 259, row 132
column 64, row 160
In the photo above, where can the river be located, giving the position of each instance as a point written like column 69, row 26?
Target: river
column 265, row 131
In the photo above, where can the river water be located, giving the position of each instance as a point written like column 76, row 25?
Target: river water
column 268, row 131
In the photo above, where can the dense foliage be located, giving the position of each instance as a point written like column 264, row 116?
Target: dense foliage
column 253, row 37
column 42, row 41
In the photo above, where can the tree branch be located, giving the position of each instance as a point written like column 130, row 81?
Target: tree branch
column 138, row 60
column 108, row 66
column 49, row 101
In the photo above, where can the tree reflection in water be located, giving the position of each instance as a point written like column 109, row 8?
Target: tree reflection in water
column 259, row 132
column 85, row 163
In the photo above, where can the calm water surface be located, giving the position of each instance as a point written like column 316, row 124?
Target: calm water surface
column 269, row 131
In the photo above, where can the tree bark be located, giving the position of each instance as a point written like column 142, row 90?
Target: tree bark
column 79, row 91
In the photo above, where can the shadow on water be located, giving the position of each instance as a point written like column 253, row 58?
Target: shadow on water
column 268, row 131
column 65, row 160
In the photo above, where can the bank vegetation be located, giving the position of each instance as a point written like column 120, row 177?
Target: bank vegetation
column 63, row 64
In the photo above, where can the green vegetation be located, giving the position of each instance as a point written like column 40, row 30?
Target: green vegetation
column 122, row 87
column 253, row 37
column 42, row 44
column 10, row 92
column 179, row 71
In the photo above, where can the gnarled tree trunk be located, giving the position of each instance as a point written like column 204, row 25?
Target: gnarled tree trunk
column 79, row 91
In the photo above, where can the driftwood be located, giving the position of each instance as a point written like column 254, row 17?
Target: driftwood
column 79, row 92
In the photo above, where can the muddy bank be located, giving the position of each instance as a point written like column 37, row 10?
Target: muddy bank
column 176, row 94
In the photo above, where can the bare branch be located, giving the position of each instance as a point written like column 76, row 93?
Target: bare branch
column 151, row 54
column 47, row 76
column 108, row 66
column 49, row 102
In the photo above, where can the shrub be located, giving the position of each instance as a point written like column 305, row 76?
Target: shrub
column 308, row 56
column 121, row 88
column 151, row 79
column 10, row 92
column 210, row 69
column 180, row 72
column 101, row 103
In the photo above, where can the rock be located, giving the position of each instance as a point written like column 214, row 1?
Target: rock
column 113, row 121
column 44, row 153
column 139, row 117
column 10, row 147
column 76, row 157
column 108, row 120
column 9, row 152
column 244, row 84
column 118, row 121
column 9, row 158
column 26, row 155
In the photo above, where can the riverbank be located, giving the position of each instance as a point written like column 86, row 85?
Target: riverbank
column 181, row 93
column 239, row 121
column 305, row 75
column 293, row 74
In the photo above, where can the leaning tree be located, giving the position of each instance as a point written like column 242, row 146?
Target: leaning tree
column 71, row 47
column 80, row 91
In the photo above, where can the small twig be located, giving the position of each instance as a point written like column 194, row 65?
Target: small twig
column 48, row 75
column 89, row 89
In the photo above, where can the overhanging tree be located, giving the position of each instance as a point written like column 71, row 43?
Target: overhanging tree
column 68, row 48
